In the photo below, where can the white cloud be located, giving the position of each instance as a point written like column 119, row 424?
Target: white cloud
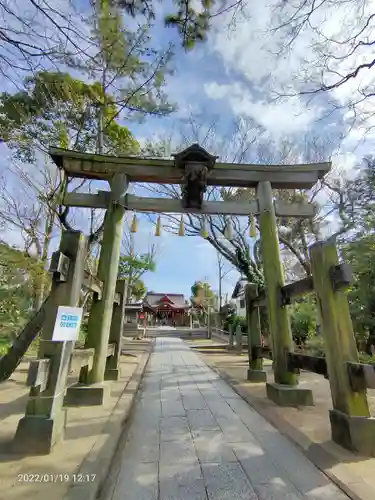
column 216, row 91
column 244, row 48
column 248, row 53
column 256, row 73
column 346, row 161
column 279, row 118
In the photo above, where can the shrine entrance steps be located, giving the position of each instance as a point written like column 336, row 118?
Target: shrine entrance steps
column 178, row 332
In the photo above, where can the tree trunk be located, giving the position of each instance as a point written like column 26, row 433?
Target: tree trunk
column 129, row 289
column 15, row 354
column 41, row 286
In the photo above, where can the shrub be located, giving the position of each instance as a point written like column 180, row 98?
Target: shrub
column 315, row 347
column 234, row 321
column 303, row 321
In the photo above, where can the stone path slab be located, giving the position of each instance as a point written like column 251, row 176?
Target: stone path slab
column 193, row 438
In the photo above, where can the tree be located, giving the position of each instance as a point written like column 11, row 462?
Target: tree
column 223, row 270
column 360, row 254
column 227, row 312
column 56, row 109
column 338, row 56
column 133, row 267
column 128, row 79
column 20, row 275
column 25, row 211
column 125, row 66
column 139, row 289
column 41, row 34
column 352, row 200
column 128, row 72
column 245, row 144
column 191, row 19
column 303, row 319
column 53, row 109
column 38, row 34
column 202, row 295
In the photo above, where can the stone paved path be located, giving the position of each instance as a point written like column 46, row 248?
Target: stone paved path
column 193, row 438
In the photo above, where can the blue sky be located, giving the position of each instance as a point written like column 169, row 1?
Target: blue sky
column 233, row 79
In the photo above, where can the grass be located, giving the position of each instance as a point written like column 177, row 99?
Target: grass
column 33, row 349
column 315, row 347
column 366, row 358
column 4, row 344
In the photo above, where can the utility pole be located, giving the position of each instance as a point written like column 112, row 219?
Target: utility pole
column 221, row 274
column 207, row 302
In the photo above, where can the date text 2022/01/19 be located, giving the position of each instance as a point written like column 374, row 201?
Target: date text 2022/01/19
column 56, row 478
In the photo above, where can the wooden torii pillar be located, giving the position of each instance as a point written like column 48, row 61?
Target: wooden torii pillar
column 195, row 169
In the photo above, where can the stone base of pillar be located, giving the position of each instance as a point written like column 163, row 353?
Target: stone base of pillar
column 38, row 435
column 87, row 395
column 285, row 395
column 356, row 434
column 112, row 374
column 256, row 375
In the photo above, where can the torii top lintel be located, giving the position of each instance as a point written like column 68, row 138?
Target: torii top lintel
column 172, row 171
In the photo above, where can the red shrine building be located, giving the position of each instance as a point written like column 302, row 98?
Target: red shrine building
column 166, row 309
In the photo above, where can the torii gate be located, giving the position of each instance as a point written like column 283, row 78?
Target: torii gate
column 195, row 169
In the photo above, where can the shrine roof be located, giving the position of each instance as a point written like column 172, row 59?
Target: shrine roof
column 177, row 300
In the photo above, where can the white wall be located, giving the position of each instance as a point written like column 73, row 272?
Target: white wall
column 240, row 301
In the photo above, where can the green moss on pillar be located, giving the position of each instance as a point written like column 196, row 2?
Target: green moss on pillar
column 255, row 372
column 112, row 369
column 337, row 329
column 101, row 311
column 351, row 424
column 274, row 279
column 254, row 336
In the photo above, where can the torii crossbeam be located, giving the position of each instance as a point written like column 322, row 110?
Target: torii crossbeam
column 177, row 171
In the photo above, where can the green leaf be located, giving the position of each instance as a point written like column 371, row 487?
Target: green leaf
column 56, row 109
